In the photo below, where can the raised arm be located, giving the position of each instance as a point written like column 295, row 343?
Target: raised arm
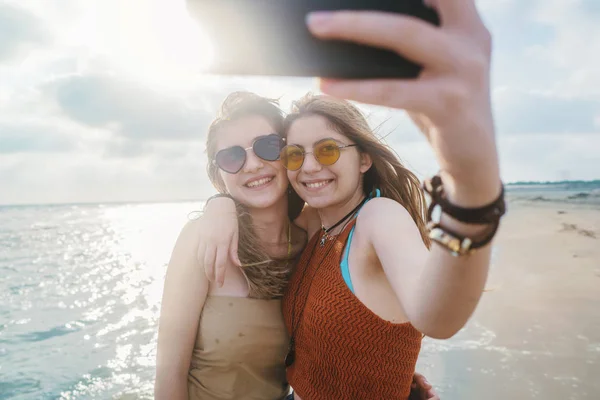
column 437, row 291
column 450, row 102
column 185, row 291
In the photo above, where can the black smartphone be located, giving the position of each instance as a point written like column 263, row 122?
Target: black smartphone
column 270, row 37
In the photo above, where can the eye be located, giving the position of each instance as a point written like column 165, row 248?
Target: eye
column 295, row 153
column 328, row 148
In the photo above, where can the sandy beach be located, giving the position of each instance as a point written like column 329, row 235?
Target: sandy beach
column 536, row 333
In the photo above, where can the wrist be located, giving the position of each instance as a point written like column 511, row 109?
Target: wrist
column 476, row 189
column 467, row 152
column 220, row 200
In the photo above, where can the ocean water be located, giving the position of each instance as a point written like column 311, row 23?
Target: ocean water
column 581, row 194
column 80, row 291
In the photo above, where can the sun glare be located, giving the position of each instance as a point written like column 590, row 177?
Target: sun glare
column 153, row 40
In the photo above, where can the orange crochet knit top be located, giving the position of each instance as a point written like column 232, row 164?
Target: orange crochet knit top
column 342, row 349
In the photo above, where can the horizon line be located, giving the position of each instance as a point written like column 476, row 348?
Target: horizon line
column 189, row 200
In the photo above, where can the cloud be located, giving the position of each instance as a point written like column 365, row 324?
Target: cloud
column 83, row 177
column 574, row 48
column 548, row 157
column 34, row 137
column 126, row 148
column 127, row 108
column 521, row 112
column 116, row 133
column 546, row 66
column 546, row 45
column 20, row 31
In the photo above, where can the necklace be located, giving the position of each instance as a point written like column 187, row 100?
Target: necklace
column 326, row 231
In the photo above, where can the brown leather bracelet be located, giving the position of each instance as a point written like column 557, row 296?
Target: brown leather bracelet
column 484, row 215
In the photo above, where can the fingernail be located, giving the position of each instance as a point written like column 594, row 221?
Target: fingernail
column 318, row 20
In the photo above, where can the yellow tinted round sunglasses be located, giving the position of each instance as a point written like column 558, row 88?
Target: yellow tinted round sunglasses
column 326, row 152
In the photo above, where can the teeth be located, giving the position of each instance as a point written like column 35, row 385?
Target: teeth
column 315, row 185
column 259, row 182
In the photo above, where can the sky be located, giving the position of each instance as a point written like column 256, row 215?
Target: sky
column 102, row 100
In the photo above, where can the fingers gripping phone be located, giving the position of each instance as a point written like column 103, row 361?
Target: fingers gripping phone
column 270, row 37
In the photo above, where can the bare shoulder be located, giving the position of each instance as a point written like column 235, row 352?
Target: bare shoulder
column 390, row 229
column 184, row 253
column 383, row 210
column 192, row 230
column 382, row 217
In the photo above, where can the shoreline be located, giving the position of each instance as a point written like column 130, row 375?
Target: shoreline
column 536, row 332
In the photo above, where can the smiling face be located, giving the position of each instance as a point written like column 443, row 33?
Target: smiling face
column 260, row 183
column 326, row 186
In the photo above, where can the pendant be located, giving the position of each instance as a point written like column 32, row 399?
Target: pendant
column 322, row 243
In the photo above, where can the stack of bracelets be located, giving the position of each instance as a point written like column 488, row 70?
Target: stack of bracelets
column 460, row 245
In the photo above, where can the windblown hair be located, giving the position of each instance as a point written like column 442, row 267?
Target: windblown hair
column 387, row 173
column 267, row 277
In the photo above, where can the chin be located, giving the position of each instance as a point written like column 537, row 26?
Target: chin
column 260, row 203
column 317, row 201
column 263, row 200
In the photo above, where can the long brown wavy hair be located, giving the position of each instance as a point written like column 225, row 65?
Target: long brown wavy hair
column 387, row 173
column 267, row 277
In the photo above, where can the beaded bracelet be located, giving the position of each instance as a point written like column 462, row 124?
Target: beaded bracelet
column 458, row 244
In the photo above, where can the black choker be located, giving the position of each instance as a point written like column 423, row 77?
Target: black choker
column 345, row 217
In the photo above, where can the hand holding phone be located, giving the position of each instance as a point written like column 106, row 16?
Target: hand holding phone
column 432, row 60
column 450, row 99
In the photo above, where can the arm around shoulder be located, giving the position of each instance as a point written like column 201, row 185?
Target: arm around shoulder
column 185, row 291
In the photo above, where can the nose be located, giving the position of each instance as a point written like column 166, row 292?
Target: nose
column 311, row 165
column 253, row 162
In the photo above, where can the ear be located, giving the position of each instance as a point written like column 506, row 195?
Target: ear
column 365, row 162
